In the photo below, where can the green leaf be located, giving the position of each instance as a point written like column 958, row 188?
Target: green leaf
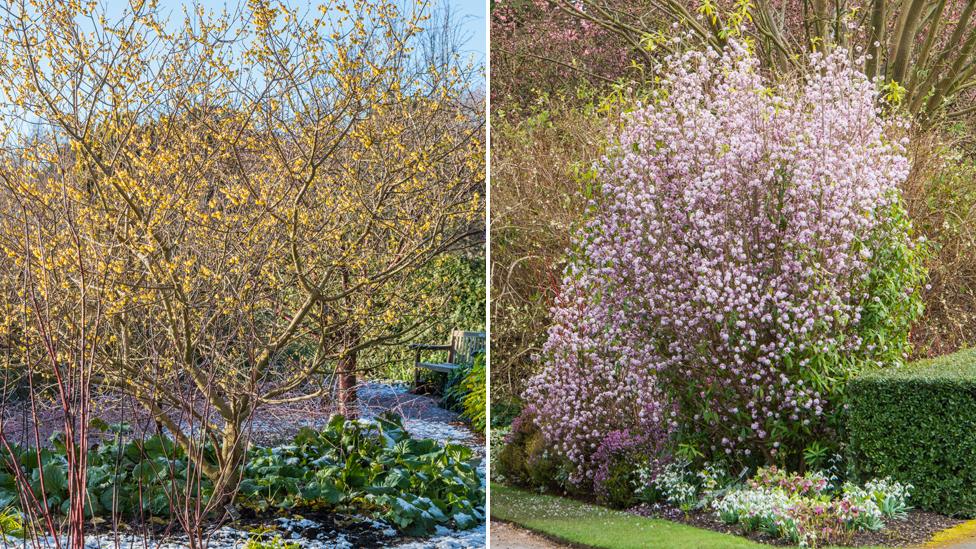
column 55, row 479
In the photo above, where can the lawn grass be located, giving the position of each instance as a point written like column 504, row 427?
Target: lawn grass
column 588, row 525
column 594, row 526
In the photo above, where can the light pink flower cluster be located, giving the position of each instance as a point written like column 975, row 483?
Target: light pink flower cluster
column 725, row 254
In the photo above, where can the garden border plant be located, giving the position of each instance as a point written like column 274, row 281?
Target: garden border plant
column 465, row 392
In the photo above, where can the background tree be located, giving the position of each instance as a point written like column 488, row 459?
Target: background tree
column 539, row 49
column 923, row 50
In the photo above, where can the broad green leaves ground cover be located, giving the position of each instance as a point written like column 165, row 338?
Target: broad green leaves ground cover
column 373, row 468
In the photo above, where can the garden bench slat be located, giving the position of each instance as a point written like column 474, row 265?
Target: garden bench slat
column 426, row 347
column 445, row 367
column 462, row 349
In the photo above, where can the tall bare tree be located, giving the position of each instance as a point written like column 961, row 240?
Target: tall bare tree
column 924, row 49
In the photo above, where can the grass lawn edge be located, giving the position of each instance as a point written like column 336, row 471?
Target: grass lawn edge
column 577, row 524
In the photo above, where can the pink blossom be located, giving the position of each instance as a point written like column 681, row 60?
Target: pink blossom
column 724, row 251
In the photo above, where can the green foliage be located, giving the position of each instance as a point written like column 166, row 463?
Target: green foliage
column 371, row 468
column 466, row 392
column 476, row 399
column 504, row 410
column 454, row 389
column 619, row 485
column 274, row 543
column 368, row 467
column 893, row 302
column 895, row 286
column 140, row 476
column 511, row 461
column 496, row 443
column 467, row 302
column 524, row 459
column 452, row 291
column 157, row 465
column 11, row 524
column 915, row 424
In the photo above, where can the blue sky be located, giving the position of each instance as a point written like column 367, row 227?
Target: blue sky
column 475, row 20
column 472, row 15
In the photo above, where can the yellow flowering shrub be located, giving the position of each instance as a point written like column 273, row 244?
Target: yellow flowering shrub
column 211, row 214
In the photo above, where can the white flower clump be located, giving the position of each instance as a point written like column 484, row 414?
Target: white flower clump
column 859, row 509
column 675, row 486
column 889, row 496
column 751, row 506
column 804, row 510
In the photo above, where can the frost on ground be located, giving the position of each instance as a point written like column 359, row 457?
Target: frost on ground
column 441, row 432
column 449, row 539
column 230, row 538
column 422, row 418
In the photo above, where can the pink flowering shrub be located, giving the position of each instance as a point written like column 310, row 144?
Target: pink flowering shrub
column 747, row 254
column 611, row 481
column 622, row 463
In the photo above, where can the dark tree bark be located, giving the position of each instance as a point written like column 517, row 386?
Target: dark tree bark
column 346, row 372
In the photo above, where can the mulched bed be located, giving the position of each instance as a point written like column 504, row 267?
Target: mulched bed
column 917, row 528
column 272, row 424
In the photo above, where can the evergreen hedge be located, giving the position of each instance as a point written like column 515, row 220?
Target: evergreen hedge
column 917, row 424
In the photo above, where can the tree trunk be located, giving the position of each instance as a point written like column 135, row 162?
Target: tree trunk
column 231, row 463
column 348, row 404
column 225, row 474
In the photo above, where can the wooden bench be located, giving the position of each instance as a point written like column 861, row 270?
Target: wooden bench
column 462, row 349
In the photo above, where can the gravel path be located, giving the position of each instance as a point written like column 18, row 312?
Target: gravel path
column 961, row 536
column 507, row 536
column 272, row 424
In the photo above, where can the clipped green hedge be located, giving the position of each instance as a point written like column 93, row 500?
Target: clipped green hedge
column 917, row 424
